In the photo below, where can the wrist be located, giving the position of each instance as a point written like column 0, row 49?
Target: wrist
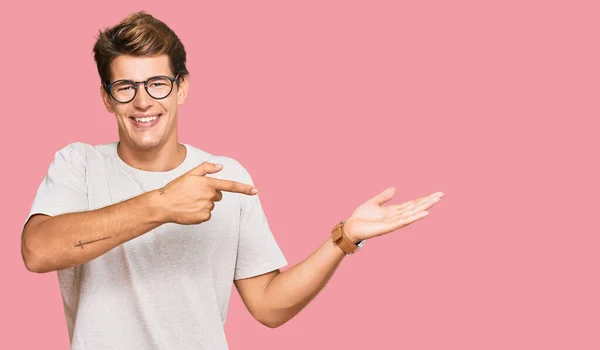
column 157, row 210
column 339, row 235
column 349, row 233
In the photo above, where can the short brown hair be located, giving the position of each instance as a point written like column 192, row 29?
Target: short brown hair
column 139, row 34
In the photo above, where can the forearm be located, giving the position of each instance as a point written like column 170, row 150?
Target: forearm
column 71, row 239
column 291, row 290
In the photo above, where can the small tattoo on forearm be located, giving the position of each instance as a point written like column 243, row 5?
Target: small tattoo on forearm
column 161, row 191
column 96, row 240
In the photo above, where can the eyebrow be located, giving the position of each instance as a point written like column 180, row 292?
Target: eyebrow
column 151, row 76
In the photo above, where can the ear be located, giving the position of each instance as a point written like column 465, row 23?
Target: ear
column 106, row 100
column 182, row 90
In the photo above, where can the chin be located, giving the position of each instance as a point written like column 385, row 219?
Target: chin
column 147, row 144
column 143, row 142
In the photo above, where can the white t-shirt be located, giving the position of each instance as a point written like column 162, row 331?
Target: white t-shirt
column 168, row 288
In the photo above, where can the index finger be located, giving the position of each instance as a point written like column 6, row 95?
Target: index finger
column 233, row 186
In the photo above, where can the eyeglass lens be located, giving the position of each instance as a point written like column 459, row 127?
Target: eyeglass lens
column 157, row 87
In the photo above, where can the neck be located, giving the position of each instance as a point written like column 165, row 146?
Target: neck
column 164, row 157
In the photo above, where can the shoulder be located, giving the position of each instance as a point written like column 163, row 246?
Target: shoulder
column 79, row 152
column 74, row 153
column 73, row 150
column 82, row 149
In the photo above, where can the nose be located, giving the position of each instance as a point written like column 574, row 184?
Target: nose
column 142, row 100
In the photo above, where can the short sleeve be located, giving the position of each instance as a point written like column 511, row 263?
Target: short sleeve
column 258, row 252
column 63, row 189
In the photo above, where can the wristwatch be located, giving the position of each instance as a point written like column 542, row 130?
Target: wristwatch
column 338, row 237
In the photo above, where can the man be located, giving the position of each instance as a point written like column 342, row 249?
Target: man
column 148, row 235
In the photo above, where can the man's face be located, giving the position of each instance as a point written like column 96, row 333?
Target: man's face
column 145, row 122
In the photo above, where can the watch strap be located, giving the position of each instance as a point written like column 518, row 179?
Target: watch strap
column 338, row 237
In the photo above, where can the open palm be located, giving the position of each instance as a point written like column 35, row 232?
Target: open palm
column 371, row 219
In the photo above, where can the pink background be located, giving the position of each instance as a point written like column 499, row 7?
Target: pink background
column 327, row 103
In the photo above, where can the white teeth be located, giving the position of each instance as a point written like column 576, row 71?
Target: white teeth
column 146, row 119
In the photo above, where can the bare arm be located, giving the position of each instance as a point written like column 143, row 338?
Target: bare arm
column 66, row 240
column 276, row 297
column 62, row 241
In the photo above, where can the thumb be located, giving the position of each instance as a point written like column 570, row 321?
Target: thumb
column 206, row 168
column 384, row 196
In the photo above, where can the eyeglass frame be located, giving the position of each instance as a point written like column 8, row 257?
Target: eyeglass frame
column 108, row 87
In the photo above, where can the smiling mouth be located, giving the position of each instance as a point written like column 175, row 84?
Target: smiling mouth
column 146, row 119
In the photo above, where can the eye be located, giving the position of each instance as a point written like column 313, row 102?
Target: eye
column 122, row 86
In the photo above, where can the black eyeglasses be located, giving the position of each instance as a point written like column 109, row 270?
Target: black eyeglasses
column 124, row 91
